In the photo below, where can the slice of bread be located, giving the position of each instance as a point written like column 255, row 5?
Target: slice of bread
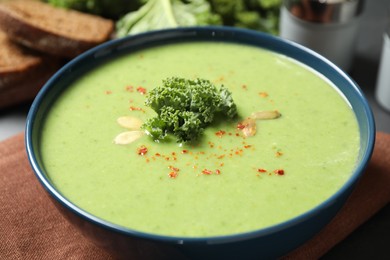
column 24, row 90
column 26, row 84
column 16, row 62
column 56, row 31
column 22, row 72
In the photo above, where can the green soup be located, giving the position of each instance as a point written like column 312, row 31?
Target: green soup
column 224, row 183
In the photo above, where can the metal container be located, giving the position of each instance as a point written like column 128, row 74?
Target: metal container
column 382, row 92
column 328, row 27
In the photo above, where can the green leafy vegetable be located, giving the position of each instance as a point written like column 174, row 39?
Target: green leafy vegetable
column 159, row 14
column 134, row 16
column 113, row 9
column 261, row 15
column 185, row 107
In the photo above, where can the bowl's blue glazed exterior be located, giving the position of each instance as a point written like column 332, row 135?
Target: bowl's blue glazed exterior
column 268, row 243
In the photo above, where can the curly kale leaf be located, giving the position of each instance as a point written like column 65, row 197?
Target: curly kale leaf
column 185, row 107
column 160, row 14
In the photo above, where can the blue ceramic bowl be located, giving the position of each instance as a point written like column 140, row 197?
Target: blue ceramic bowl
column 268, row 243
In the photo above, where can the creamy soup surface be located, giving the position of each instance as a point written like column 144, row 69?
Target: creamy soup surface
column 222, row 184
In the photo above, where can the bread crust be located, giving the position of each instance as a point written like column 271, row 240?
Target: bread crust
column 17, row 19
column 34, row 40
column 26, row 89
column 16, row 62
column 24, row 92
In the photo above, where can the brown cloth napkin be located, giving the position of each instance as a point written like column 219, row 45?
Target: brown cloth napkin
column 31, row 227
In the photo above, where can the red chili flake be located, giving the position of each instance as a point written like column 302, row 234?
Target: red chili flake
column 221, row 164
column 129, row 88
column 218, row 172
column 184, row 151
column 220, row 133
column 158, row 155
column 167, row 158
column 108, row 92
column 221, row 156
column 238, row 152
column 237, row 134
column 263, row 94
column 207, row 172
column 247, row 146
column 132, row 108
column 141, row 90
column 279, row 171
column 261, row 170
column 240, row 126
column 278, row 154
column 173, row 168
column 142, row 150
column 172, row 175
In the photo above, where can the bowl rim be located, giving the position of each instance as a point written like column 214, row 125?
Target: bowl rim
column 175, row 33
